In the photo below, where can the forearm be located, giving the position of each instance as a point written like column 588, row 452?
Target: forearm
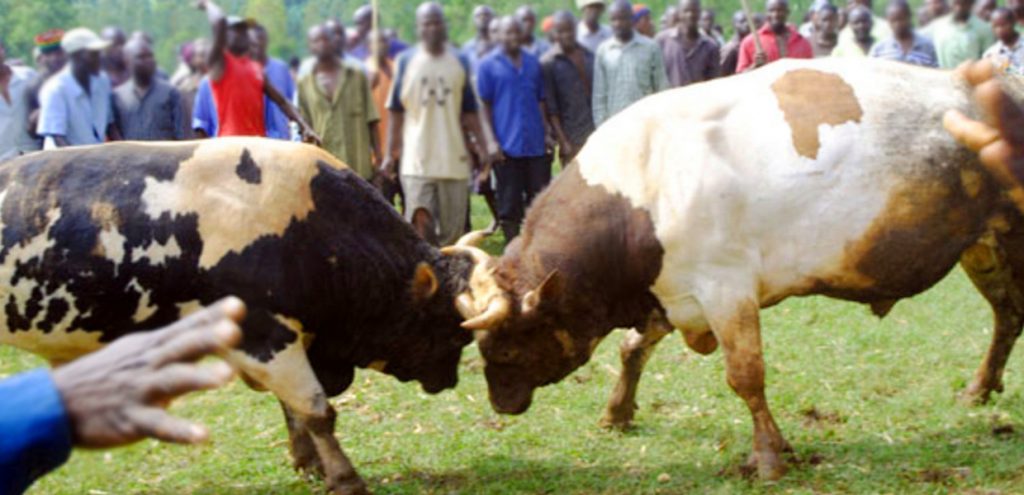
column 36, row 430
column 556, row 126
column 374, row 142
column 474, row 133
column 394, row 136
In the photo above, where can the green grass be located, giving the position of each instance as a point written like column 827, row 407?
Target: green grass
column 883, row 390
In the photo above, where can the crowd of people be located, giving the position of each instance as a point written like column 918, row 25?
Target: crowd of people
column 431, row 122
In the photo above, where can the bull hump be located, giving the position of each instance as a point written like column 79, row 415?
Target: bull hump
column 809, row 98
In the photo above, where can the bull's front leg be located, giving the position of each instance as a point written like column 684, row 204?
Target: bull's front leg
column 300, row 445
column 738, row 331
column 634, row 351
column 289, row 375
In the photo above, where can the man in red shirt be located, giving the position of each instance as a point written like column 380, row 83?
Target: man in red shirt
column 778, row 39
column 237, row 81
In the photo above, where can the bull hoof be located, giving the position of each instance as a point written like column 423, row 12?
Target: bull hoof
column 310, row 466
column 618, row 417
column 349, row 486
column 768, row 466
column 977, row 393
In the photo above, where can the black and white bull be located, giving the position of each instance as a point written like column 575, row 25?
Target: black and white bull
column 695, row 208
column 97, row 242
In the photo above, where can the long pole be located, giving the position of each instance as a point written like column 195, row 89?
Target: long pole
column 374, row 34
column 750, row 23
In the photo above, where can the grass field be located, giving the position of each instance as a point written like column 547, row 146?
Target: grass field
column 868, row 405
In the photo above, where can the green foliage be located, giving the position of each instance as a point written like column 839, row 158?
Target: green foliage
column 173, row 22
column 867, row 404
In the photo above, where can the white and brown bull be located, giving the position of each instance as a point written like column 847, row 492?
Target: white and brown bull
column 695, row 208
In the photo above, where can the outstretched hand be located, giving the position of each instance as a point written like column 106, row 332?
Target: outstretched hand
column 119, row 394
column 999, row 138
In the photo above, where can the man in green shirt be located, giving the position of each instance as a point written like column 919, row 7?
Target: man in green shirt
column 959, row 36
column 627, row 67
column 335, row 99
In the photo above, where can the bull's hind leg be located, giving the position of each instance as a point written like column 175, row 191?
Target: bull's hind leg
column 634, row 351
column 986, row 263
column 738, row 330
column 286, row 373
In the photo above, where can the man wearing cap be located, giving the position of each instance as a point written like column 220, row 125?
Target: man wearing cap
column 14, row 82
column 50, row 59
column 642, row 22
column 591, row 33
column 238, row 82
column 75, row 105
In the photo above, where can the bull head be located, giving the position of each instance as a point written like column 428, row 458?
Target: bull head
column 485, row 305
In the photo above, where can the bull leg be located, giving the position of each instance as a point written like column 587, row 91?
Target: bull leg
column 301, row 447
column 634, row 351
column 739, row 335
column 985, row 263
column 289, row 376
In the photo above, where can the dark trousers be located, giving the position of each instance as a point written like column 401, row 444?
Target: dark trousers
column 518, row 181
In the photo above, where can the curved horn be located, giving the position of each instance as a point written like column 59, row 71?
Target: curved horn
column 479, row 256
column 472, row 239
column 496, row 312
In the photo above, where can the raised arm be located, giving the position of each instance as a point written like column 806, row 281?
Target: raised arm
column 219, row 26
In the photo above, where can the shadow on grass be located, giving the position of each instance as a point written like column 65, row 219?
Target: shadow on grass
column 969, row 458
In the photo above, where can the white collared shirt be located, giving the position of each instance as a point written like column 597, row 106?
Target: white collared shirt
column 67, row 110
column 14, row 136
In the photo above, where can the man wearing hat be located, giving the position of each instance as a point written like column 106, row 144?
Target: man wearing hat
column 50, row 59
column 238, row 82
column 75, row 104
column 590, row 33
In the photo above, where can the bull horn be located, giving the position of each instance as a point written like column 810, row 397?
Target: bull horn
column 479, row 256
column 472, row 239
column 496, row 312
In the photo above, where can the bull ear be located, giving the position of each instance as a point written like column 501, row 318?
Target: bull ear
column 549, row 290
column 424, row 283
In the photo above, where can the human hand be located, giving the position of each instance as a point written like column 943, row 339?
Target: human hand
column 118, row 395
column 760, row 59
column 388, row 167
column 309, row 136
column 999, row 138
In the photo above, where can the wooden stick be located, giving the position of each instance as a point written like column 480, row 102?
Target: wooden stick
column 750, row 22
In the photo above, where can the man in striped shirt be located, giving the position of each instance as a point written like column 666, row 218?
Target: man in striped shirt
column 627, row 67
column 905, row 45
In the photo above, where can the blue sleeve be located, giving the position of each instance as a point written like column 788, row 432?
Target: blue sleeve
column 204, row 111
column 468, row 96
column 36, row 434
column 485, row 81
column 395, row 94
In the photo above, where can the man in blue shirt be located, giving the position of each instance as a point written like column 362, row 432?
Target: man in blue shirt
column 511, row 87
column 280, row 77
column 112, row 397
column 75, row 105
